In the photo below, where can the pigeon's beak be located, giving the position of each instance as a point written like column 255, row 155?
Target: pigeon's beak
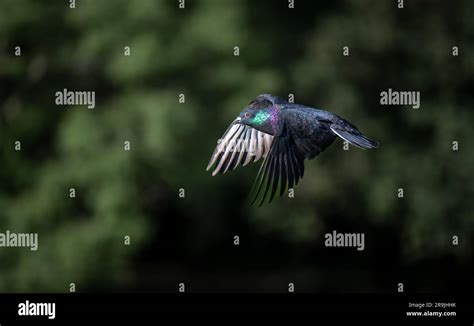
column 238, row 120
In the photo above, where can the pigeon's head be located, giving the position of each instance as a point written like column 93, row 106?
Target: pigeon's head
column 262, row 113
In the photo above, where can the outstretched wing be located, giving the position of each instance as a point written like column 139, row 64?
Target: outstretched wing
column 282, row 168
column 239, row 144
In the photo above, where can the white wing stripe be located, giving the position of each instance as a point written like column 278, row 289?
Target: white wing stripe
column 248, row 141
column 228, row 148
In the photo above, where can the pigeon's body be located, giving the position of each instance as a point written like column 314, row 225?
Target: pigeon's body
column 284, row 134
column 309, row 128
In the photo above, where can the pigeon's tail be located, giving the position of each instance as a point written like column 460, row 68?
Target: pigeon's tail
column 353, row 136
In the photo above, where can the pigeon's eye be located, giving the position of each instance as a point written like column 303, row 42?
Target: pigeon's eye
column 247, row 115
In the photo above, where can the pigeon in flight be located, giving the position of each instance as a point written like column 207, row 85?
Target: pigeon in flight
column 283, row 134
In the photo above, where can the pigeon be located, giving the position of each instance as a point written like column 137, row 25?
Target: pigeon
column 283, row 134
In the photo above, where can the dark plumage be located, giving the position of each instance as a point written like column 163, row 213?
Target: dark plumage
column 284, row 134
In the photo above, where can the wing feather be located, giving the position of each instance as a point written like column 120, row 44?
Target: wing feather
column 284, row 165
column 240, row 144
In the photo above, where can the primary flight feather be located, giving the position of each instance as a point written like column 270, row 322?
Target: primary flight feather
column 283, row 134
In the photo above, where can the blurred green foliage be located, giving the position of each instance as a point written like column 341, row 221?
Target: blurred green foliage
column 190, row 51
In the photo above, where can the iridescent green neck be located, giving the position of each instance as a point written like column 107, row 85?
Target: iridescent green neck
column 260, row 118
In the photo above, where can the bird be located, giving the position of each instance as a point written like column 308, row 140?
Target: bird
column 283, row 134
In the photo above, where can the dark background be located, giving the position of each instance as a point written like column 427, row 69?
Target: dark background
column 190, row 240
